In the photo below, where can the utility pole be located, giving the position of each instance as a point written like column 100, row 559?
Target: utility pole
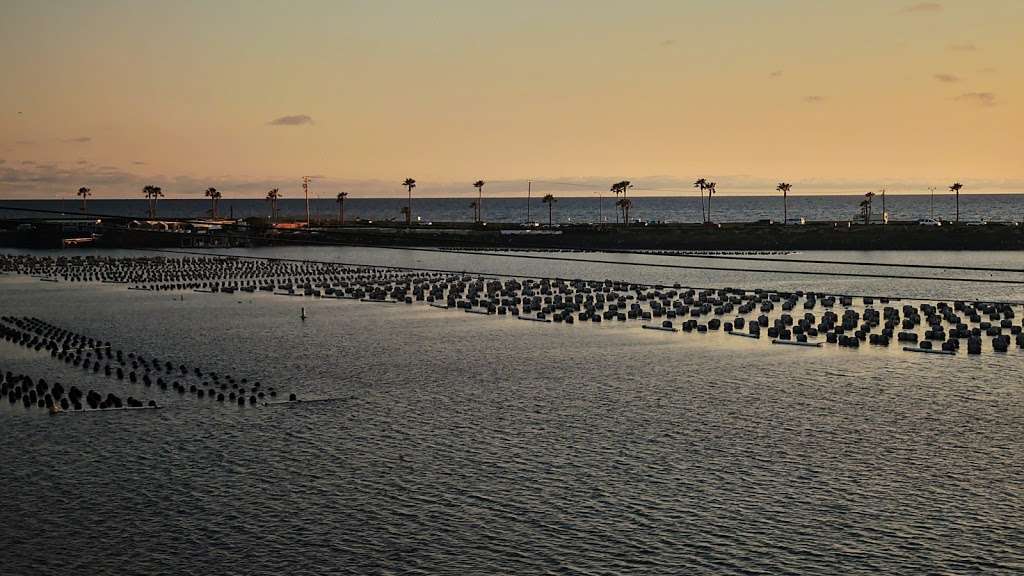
column 932, row 202
column 305, row 190
column 885, row 218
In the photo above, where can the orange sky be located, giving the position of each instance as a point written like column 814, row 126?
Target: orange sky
column 835, row 97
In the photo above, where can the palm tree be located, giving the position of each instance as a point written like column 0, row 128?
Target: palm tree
column 625, row 204
column 153, row 193
column 84, row 193
column 956, row 188
column 702, row 184
column 273, row 197
column 785, row 188
column 341, row 206
column 865, row 206
column 476, row 208
column 616, row 191
column 479, row 185
column 213, row 194
column 711, row 192
column 410, row 184
column 550, row 201
column 620, row 188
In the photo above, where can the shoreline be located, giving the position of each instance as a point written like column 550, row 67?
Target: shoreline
column 252, row 232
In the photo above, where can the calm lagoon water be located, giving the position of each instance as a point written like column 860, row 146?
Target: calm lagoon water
column 461, row 444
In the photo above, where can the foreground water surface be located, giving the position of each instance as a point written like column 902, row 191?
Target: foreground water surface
column 462, row 444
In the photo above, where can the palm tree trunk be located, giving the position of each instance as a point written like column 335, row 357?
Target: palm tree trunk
column 408, row 212
column 549, row 214
column 709, row 208
column 703, row 212
column 957, row 206
column 785, row 208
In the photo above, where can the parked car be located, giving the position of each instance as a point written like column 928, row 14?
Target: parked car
column 929, row 222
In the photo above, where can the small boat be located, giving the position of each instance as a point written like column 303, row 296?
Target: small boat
column 441, row 306
column 745, row 335
column 661, row 328
column 795, row 343
column 929, row 351
column 545, row 320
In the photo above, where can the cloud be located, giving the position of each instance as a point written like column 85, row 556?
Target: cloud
column 82, row 162
column 922, row 8
column 138, row 163
column 775, row 74
column 815, row 99
column 28, row 162
column 668, row 42
column 79, row 140
column 983, row 99
column 947, row 78
column 2, row 161
column 963, row 47
column 988, row 70
column 295, row 120
column 25, row 142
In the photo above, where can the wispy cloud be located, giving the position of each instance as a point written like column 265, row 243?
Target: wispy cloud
column 668, row 42
column 983, row 99
column 24, row 142
column 815, row 99
column 79, row 140
column 947, row 78
column 138, row 163
column 922, row 8
column 775, row 74
column 294, row 120
column 963, row 47
column 988, row 70
column 82, row 162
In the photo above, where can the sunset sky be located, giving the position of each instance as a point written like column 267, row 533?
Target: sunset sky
column 833, row 96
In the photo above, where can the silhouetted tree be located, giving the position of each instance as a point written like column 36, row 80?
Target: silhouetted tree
column 866, row 208
column 550, row 201
column 711, row 188
column 785, row 188
column 475, row 207
column 956, row 187
column 214, row 195
column 410, row 184
column 702, row 184
column 84, row 193
column 341, row 206
column 272, row 197
column 479, row 185
column 153, row 193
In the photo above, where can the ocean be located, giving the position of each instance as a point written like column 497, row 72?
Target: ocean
column 987, row 207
